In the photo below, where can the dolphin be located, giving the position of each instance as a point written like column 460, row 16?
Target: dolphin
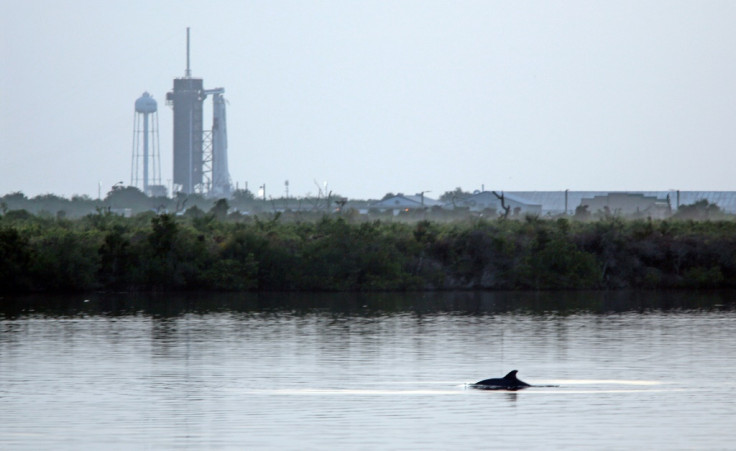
column 508, row 382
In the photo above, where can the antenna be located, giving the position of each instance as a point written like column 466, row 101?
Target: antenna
column 188, row 72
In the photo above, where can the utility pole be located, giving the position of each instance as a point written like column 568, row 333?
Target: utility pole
column 422, row 196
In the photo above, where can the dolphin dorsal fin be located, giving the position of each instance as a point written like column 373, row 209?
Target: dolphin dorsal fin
column 511, row 375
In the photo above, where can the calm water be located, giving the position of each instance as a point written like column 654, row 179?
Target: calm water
column 635, row 370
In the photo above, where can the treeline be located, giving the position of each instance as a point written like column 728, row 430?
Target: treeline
column 107, row 252
column 128, row 200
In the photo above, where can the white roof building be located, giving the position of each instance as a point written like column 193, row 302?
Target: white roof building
column 401, row 202
column 487, row 200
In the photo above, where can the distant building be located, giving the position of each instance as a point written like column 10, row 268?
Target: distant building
column 400, row 202
column 560, row 202
column 654, row 204
column 487, row 201
column 628, row 204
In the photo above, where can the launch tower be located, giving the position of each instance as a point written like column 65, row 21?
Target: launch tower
column 200, row 156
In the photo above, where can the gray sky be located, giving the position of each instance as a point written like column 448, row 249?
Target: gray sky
column 379, row 96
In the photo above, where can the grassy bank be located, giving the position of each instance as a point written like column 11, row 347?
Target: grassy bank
column 164, row 252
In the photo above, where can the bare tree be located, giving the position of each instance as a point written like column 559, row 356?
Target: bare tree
column 506, row 208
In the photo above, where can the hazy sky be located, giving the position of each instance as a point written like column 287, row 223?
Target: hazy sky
column 378, row 96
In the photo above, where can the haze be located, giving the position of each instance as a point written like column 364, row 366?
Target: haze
column 380, row 96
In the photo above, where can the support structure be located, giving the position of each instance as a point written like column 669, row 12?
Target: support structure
column 221, row 185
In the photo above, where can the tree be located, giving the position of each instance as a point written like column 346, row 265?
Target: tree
column 242, row 195
column 457, row 194
column 15, row 196
column 116, row 259
column 128, row 197
column 506, row 208
column 700, row 210
column 581, row 212
column 219, row 210
column 15, row 258
column 15, row 201
column 162, row 262
column 65, row 260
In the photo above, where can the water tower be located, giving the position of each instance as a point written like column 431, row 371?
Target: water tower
column 145, row 172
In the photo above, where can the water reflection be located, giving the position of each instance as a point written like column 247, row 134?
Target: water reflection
column 167, row 305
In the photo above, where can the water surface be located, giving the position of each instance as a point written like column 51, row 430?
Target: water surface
column 635, row 370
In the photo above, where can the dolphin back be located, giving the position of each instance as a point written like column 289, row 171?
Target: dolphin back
column 508, row 382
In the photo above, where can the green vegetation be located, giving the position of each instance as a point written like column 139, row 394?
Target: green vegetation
column 213, row 250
